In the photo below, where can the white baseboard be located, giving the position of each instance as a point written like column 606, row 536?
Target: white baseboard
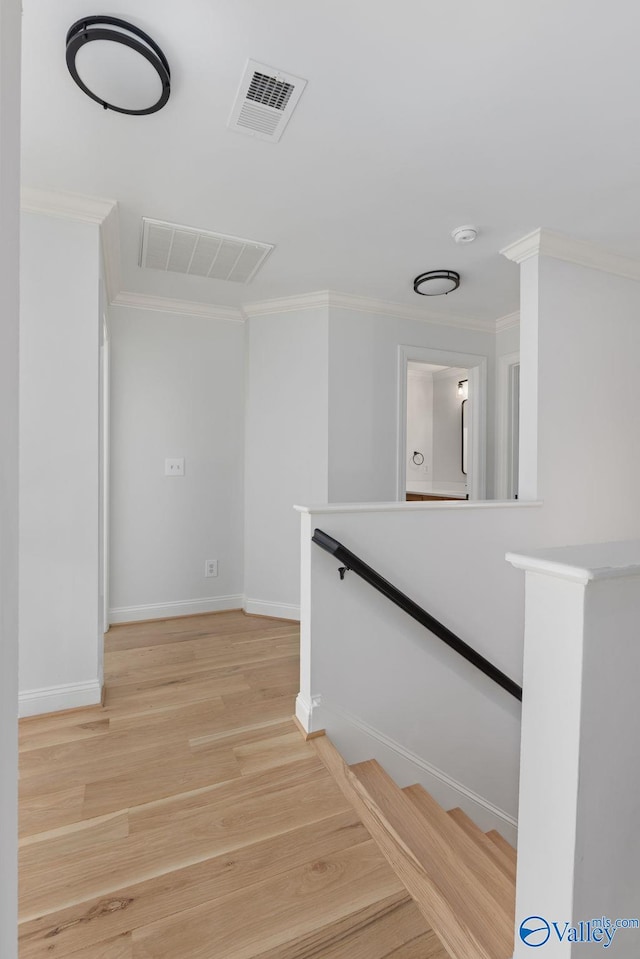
column 51, row 699
column 263, row 607
column 185, row 607
column 304, row 712
column 357, row 741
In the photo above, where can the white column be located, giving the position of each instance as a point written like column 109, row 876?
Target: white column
column 579, row 841
column 9, row 232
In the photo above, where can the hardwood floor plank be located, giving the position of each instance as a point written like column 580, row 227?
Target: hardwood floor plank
column 101, row 918
column 272, row 913
column 369, row 933
column 187, row 819
column 45, row 811
column 275, row 751
column 89, row 726
column 182, row 838
column 119, row 948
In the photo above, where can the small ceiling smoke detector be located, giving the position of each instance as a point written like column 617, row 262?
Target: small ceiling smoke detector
column 436, row 282
column 118, row 65
column 464, row 234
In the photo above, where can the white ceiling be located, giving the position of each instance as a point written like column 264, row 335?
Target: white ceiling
column 418, row 117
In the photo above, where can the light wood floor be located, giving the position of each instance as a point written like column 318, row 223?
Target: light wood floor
column 188, row 819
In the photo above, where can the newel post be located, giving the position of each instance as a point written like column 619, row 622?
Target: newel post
column 579, row 820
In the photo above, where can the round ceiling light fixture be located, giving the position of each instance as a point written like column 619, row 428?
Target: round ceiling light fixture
column 436, row 282
column 118, row 65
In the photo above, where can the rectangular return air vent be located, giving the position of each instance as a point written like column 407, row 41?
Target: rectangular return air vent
column 265, row 101
column 183, row 249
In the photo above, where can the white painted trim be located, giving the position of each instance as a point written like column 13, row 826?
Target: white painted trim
column 318, row 509
column 546, row 243
column 304, row 712
column 264, row 607
column 162, row 304
column 51, row 699
column 584, row 563
column 508, row 322
column 504, row 365
column 476, row 364
column 288, row 304
column 364, row 304
column 72, row 206
column 111, row 255
column 419, row 768
column 185, row 607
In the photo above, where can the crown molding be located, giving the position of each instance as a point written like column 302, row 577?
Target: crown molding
column 363, row 304
column 288, row 304
column 508, row 322
column 162, row 304
column 546, row 243
column 71, row 206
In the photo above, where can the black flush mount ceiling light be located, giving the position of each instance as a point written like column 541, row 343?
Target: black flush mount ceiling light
column 436, row 282
column 118, row 65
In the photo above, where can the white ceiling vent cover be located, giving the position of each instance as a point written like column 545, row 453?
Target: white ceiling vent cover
column 266, row 99
column 183, row 249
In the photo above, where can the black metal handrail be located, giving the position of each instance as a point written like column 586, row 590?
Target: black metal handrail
column 354, row 564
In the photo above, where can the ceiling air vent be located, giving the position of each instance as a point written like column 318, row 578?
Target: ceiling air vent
column 266, row 99
column 183, row 249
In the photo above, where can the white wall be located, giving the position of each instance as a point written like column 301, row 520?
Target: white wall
column 9, row 230
column 286, row 450
column 508, row 341
column 177, row 390
column 419, row 425
column 447, row 427
column 377, row 681
column 387, row 687
column 588, row 338
column 59, row 455
column 363, row 397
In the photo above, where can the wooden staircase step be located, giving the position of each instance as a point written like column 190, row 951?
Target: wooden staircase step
column 464, row 896
column 479, row 860
column 503, row 845
column 502, row 860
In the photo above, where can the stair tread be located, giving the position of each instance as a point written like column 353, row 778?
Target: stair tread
column 492, row 849
column 503, row 845
column 462, row 893
column 478, row 859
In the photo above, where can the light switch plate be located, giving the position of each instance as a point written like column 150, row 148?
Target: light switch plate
column 174, row 467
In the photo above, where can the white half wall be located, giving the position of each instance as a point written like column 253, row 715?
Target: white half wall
column 10, row 19
column 382, row 685
column 60, row 619
column 177, row 391
column 286, row 450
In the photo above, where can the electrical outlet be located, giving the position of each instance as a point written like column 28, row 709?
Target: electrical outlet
column 211, row 567
column 174, row 467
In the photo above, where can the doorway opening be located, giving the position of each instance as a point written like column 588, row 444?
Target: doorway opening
column 441, row 425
